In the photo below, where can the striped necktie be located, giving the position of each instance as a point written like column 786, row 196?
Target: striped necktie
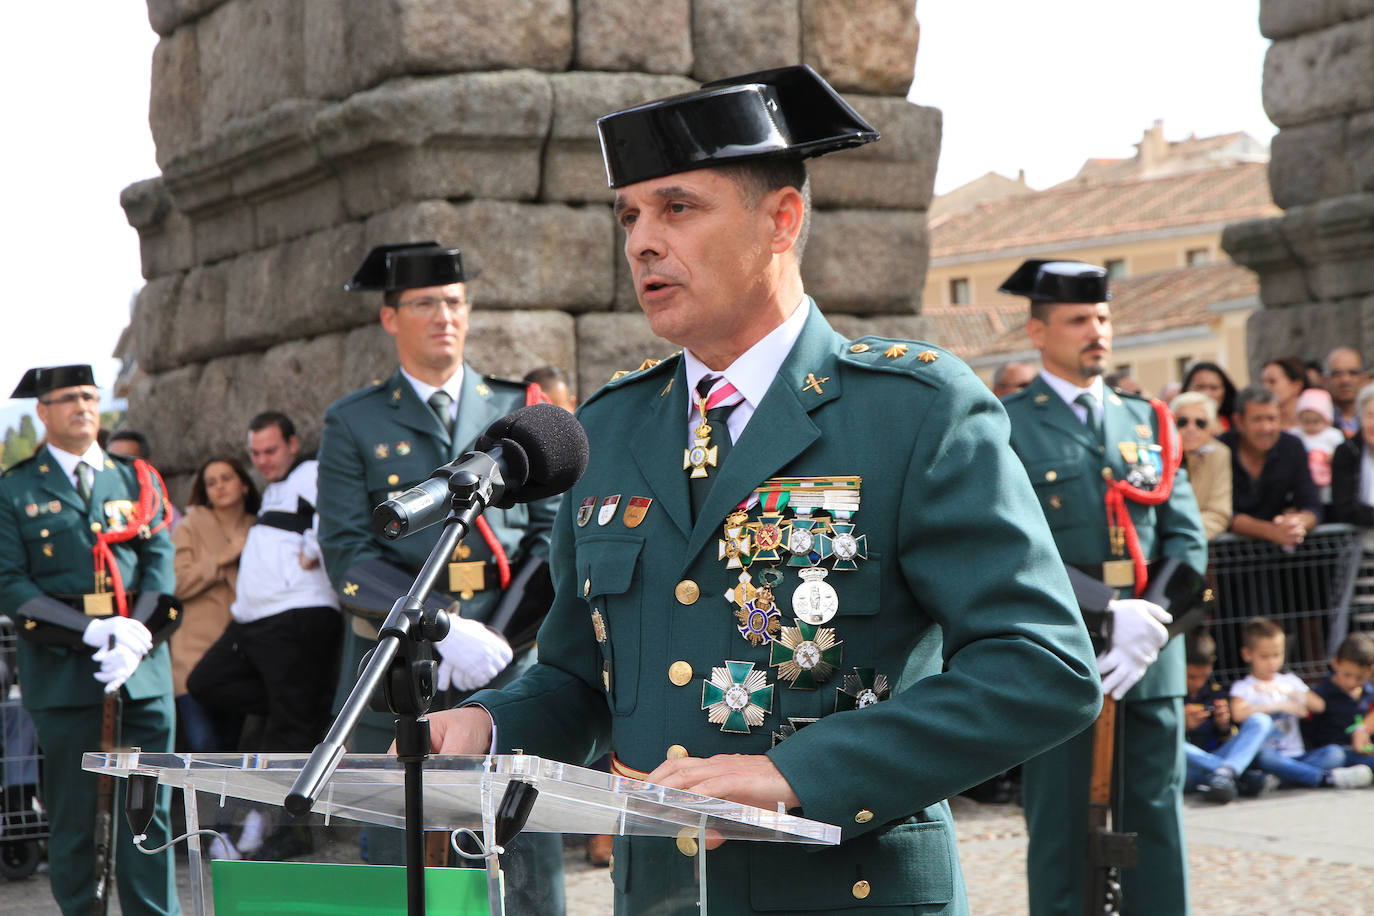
column 721, row 400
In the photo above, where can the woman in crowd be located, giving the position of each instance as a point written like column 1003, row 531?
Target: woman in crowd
column 1208, row 461
column 208, row 542
column 1211, row 380
column 1352, row 469
column 1286, row 377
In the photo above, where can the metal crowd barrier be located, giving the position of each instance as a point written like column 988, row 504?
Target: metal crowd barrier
column 1308, row 591
column 23, row 824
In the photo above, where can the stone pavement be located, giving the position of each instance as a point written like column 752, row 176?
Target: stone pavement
column 1296, row 852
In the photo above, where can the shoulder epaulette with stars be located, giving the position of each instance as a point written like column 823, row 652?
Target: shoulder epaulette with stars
column 649, row 368
column 915, row 358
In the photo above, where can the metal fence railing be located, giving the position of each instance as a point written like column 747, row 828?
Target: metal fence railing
column 23, row 824
column 1308, row 591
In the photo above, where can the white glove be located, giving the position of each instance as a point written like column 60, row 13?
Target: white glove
column 127, row 632
column 470, row 655
column 1137, row 636
column 116, row 665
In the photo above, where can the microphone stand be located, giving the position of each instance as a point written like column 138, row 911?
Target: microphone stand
column 403, row 664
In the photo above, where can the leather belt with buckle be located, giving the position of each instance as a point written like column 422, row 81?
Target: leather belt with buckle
column 95, row 604
column 467, row 577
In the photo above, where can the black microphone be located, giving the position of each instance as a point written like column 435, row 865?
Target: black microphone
column 529, row 454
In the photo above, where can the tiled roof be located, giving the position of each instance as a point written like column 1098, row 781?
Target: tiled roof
column 1147, row 304
column 1072, row 213
column 1100, row 170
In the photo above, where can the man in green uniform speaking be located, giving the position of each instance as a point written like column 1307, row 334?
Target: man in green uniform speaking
column 1104, row 465
column 388, row 437
column 799, row 569
column 86, row 572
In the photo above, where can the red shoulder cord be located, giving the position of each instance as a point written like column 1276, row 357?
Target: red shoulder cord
column 151, row 500
column 533, row 395
column 1118, row 491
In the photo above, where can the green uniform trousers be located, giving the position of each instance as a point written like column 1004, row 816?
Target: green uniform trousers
column 1149, row 776
column 147, row 884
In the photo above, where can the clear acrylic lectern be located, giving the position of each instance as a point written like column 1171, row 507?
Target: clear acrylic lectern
column 463, row 792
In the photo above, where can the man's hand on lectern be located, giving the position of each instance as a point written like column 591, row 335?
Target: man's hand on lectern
column 750, row 779
column 461, row 731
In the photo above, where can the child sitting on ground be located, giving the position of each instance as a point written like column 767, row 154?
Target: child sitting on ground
column 1286, row 700
column 1218, row 752
column 1349, row 697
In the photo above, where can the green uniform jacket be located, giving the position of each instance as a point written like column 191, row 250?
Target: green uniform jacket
column 382, row 440
column 961, row 604
column 1066, row 466
column 46, row 536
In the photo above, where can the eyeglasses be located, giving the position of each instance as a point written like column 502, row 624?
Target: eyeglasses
column 428, row 305
column 88, row 397
column 1199, row 422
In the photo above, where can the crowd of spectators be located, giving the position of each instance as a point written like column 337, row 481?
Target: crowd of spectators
column 1270, row 462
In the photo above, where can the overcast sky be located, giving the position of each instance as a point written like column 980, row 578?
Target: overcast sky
column 1039, row 86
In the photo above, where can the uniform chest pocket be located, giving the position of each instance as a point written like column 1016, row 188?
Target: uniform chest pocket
column 385, row 477
column 1062, row 487
column 51, row 540
column 609, row 581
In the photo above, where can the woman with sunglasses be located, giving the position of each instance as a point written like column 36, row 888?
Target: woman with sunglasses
column 1208, row 461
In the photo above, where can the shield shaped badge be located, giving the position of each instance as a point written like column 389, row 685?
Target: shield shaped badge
column 608, row 507
column 584, row 511
column 635, row 511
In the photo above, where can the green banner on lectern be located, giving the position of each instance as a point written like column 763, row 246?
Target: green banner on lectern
column 309, row 889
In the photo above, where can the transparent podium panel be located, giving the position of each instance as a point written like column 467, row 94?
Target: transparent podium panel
column 225, row 790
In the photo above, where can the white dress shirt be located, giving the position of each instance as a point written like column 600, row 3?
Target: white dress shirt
column 1069, row 392
column 751, row 374
column 92, row 457
column 454, row 387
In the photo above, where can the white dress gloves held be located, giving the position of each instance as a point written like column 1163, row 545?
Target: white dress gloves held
column 470, row 655
column 1137, row 636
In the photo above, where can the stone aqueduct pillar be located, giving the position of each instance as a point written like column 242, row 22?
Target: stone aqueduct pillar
column 292, row 135
column 1316, row 261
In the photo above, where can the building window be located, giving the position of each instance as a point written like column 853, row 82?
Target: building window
column 1116, row 268
column 959, row 291
column 1198, row 256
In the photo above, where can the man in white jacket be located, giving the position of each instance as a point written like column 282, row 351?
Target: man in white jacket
column 279, row 656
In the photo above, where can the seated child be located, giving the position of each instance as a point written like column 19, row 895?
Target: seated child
column 1285, row 699
column 1217, row 751
column 1344, row 725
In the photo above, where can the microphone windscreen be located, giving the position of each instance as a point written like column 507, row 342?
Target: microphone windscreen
column 554, row 444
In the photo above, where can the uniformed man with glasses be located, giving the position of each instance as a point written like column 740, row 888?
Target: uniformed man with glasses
column 86, row 572
column 390, row 436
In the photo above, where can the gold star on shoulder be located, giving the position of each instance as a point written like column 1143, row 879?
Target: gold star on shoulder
column 647, row 364
column 927, row 356
column 895, row 351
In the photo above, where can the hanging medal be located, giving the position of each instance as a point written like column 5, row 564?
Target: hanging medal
column 702, row 454
column 736, row 697
column 862, row 688
column 734, row 547
column 815, row 600
column 806, row 656
column 759, row 620
column 846, row 547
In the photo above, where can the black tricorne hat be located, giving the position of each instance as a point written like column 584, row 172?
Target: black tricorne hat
column 390, row 268
column 1058, row 281
column 38, row 382
column 780, row 113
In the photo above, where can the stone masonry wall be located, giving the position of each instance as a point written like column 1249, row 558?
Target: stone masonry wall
column 292, row 135
column 1316, row 261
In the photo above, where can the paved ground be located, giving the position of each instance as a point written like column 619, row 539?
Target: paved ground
column 1294, row 852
